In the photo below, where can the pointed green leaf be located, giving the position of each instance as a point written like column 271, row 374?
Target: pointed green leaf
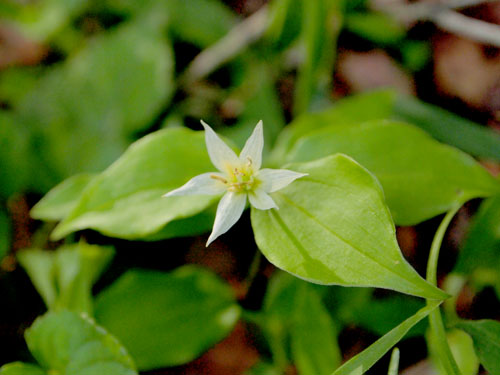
column 69, row 343
column 126, row 200
column 166, row 319
column 421, row 177
column 486, row 337
column 333, row 227
column 362, row 362
column 62, row 199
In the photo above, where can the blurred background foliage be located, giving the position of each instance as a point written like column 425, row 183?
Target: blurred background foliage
column 80, row 80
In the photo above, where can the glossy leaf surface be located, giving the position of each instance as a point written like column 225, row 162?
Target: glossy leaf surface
column 333, row 227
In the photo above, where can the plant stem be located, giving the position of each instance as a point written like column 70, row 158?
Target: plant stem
column 436, row 322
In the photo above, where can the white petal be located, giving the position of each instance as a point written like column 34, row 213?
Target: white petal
column 202, row 184
column 229, row 210
column 253, row 147
column 261, row 200
column 220, row 154
column 276, row 179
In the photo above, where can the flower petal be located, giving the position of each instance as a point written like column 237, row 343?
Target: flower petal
column 202, row 184
column 220, row 154
column 253, row 147
column 261, row 200
column 229, row 210
column 276, row 179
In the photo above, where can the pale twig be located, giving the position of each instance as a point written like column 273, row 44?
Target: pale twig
column 441, row 13
column 239, row 38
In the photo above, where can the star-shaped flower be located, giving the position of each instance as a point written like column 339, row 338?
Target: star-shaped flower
column 238, row 177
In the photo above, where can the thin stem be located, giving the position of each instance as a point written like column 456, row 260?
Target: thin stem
column 436, row 322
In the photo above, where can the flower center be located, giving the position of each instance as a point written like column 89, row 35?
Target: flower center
column 240, row 179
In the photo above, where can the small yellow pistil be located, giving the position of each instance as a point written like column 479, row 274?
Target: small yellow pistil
column 241, row 178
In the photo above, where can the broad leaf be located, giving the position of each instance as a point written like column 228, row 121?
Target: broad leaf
column 375, row 105
column 449, row 128
column 84, row 110
column 126, row 200
column 19, row 368
column 421, row 178
column 362, row 362
column 68, row 343
column 313, row 335
column 166, row 319
column 486, row 337
column 62, row 199
column 64, row 278
column 333, row 227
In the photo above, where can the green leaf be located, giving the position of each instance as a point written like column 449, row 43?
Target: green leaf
column 19, row 368
column 376, row 105
column 449, row 128
column 421, row 178
column 321, row 21
column 5, row 232
column 333, row 227
column 68, row 343
column 376, row 27
column 416, row 54
column 126, row 200
column 285, row 17
column 313, row 336
column 481, row 249
column 166, row 319
column 64, row 278
column 43, row 19
column 62, row 199
column 83, row 111
column 362, row 362
column 462, row 348
column 486, row 337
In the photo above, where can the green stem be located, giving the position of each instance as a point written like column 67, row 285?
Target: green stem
column 436, row 322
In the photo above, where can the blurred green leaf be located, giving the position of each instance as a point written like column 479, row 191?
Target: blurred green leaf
column 64, row 278
column 4, row 234
column 333, row 227
column 19, row 368
column 262, row 368
column 321, row 21
column 166, row 319
column 421, row 178
column 351, row 110
column 261, row 102
column 126, row 200
column 362, row 362
column 41, row 20
column 62, row 199
column 380, row 315
column 481, row 249
column 379, row 28
column 65, row 342
column 449, row 128
column 285, row 18
column 313, row 336
column 83, row 111
column 416, row 54
column 16, row 82
column 486, row 337
column 462, row 348
column 15, row 156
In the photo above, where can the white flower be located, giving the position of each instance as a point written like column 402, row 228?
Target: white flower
column 238, row 177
